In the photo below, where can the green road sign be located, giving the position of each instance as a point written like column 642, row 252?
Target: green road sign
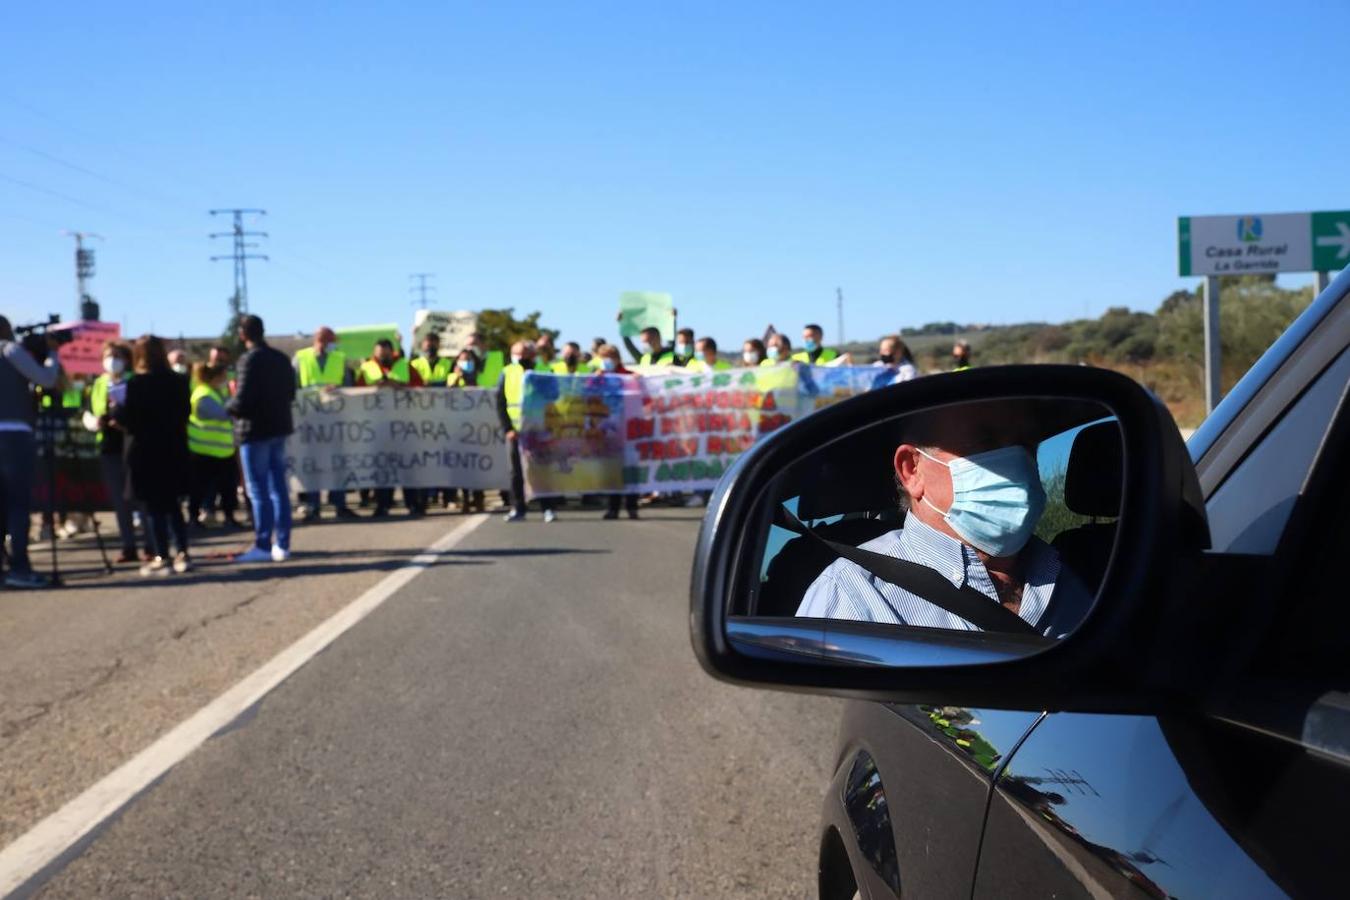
column 1266, row 243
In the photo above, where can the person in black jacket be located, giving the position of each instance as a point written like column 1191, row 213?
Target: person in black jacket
column 154, row 417
column 261, row 407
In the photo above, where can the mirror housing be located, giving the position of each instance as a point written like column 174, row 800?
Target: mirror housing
column 1119, row 659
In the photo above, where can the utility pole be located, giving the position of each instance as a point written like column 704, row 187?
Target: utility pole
column 240, row 254
column 85, row 307
column 839, row 304
column 421, row 287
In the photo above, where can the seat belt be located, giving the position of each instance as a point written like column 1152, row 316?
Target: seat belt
column 978, row 609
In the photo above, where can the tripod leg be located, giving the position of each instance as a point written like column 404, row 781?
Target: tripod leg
column 102, row 549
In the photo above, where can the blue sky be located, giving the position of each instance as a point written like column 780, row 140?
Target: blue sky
column 992, row 162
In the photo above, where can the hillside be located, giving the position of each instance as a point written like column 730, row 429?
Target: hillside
column 1163, row 350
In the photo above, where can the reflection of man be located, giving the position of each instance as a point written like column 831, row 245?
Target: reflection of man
column 974, row 497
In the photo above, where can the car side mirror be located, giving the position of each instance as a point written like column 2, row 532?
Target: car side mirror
column 1001, row 537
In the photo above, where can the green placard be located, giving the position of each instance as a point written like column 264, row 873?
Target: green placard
column 1331, row 240
column 358, row 341
column 493, row 364
column 646, row 309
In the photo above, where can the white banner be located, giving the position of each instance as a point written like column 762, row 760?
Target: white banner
column 397, row 437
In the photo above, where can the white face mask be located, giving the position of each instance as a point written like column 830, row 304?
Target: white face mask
column 113, row 365
column 180, row 368
column 751, row 358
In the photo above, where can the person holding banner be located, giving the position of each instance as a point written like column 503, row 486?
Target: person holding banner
column 571, row 362
column 510, row 394
column 324, row 366
column 682, row 354
column 211, row 447
column 431, row 367
column 753, row 352
column 544, row 353
column 893, row 356
column 652, row 350
column 154, row 416
column 612, row 364
column 706, row 359
column 106, row 394
column 814, row 354
column 465, row 374
column 779, row 351
column 383, row 369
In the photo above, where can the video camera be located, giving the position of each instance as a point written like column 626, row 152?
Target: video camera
column 38, row 338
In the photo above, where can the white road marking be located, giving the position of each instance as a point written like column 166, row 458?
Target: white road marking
column 55, row 835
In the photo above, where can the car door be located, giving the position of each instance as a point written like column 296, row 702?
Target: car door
column 1227, row 802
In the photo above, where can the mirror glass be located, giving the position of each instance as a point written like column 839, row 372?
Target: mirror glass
column 990, row 516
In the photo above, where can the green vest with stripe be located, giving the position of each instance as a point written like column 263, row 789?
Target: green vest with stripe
column 434, row 375
column 311, row 374
column 513, row 389
column 398, row 372
column 209, row 437
column 560, row 368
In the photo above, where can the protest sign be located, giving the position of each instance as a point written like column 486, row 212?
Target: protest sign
column 646, row 309
column 453, row 328
column 358, row 341
column 79, row 474
column 673, row 432
column 387, row 437
column 83, row 355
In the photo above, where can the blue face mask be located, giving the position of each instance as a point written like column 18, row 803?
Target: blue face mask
column 997, row 499
column 681, row 349
column 608, row 364
column 466, row 365
column 772, row 352
column 811, row 346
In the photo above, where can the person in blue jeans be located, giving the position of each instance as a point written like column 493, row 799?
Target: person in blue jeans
column 261, row 408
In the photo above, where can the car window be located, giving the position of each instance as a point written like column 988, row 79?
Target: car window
column 1248, row 512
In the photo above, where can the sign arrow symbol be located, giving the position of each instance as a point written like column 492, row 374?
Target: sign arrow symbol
column 1341, row 240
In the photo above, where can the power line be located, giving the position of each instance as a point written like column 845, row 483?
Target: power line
column 422, row 287
column 240, row 254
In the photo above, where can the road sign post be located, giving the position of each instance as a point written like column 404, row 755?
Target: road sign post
column 1266, row 244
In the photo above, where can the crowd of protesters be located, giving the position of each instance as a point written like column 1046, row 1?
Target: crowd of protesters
column 173, row 435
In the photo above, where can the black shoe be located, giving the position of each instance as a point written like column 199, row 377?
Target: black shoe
column 380, row 512
column 632, row 514
column 611, row 514
column 346, row 512
column 310, row 514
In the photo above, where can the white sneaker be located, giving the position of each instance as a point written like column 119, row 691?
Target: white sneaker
column 514, row 516
column 157, row 566
column 181, row 563
column 550, row 516
column 253, row 554
column 279, row 554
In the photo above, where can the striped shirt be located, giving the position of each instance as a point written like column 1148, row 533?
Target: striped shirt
column 847, row 591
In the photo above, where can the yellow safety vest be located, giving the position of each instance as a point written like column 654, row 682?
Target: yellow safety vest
column 513, row 387
column 826, row 355
column 209, row 437
column 98, row 401
column 398, row 372
column 698, row 365
column 666, row 358
column 307, row 366
column 437, row 375
column 560, row 368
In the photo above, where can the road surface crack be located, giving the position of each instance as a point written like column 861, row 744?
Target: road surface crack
column 12, row 728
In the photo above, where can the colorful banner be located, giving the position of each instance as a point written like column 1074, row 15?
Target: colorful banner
column 672, row 432
column 397, row 437
column 84, row 354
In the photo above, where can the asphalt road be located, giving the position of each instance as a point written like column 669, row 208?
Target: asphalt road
column 525, row 718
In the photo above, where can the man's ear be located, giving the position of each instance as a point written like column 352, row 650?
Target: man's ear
column 907, row 470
